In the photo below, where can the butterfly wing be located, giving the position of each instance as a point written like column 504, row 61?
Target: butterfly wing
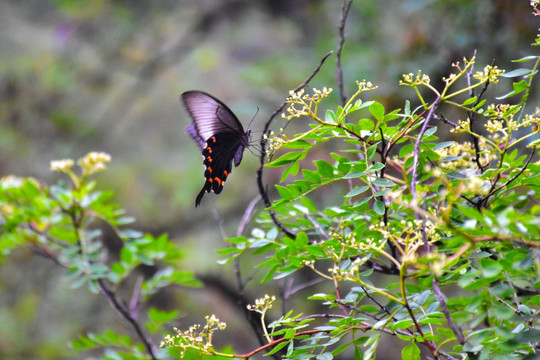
column 220, row 136
column 210, row 116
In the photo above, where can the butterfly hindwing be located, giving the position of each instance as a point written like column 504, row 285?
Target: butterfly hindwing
column 219, row 134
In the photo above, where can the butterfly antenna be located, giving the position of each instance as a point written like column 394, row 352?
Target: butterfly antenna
column 253, row 118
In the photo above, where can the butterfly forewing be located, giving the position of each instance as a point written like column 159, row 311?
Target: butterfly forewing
column 210, row 116
column 220, row 136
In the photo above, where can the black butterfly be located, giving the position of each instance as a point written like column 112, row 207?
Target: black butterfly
column 220, row 136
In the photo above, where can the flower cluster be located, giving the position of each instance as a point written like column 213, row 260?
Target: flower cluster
column 62, row 165
column 365, row 86
column 412, row 80
column 93, row 162
column 532, row 119
column 351, row 273
column 489, row 74
column 463, row 155
column 464, row 126
column 306, row 103
column 194, row 337
column 494, row 126
column 274, row 143
column 262, row 304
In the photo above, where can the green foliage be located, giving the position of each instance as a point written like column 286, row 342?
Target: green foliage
column 64, row 223
column 419, row 223
column 433, row 241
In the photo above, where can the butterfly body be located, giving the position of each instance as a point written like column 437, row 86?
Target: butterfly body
column 220, row 136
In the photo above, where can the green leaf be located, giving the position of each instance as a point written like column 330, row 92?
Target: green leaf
column 311, row 176
column 325, row 356
column 324, row 168
column 383, row 182
column 470, row 101
column 366, row 124
column 526, row 58
column 490, row 268
column 330, row 117
column 520, row 86
column 443, row 145
column 377, row 110
column 357, row 191
column 358, row 354
column 406, row 150
column 517, row 73
column 284, row 192
column 376, row 167
column 278, row 347
column 479, row 105
column 160, row 317
column 298, row 144
column 430, row 132
column 354, row 175
column 411, row 352
column 291, row 170
column 502, row 312
column 287, row 158
column 378, row 207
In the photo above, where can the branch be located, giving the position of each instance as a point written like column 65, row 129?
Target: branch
column 492, row 192
column 417, row 147
column 123, row 312
column 446, row 312
column 344, row 13
column 262, row 188
column 248, row 214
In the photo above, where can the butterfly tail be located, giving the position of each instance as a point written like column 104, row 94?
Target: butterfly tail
column 206, row 188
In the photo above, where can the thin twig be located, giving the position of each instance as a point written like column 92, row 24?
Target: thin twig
column 445, row 120
column 446, row 312
column 123, row 312
column 248, row 214
column 492, row 192
column 318, row 227
column 134, row 303
column 339, row 70
column 417, row 147
column 292, row 290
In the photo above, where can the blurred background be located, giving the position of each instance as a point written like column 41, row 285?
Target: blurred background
column 104, row 75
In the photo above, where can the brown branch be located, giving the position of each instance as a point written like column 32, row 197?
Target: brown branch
column 428, row 343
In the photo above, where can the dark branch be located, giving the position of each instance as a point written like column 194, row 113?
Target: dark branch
column 344, row 14
column 123, row 312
